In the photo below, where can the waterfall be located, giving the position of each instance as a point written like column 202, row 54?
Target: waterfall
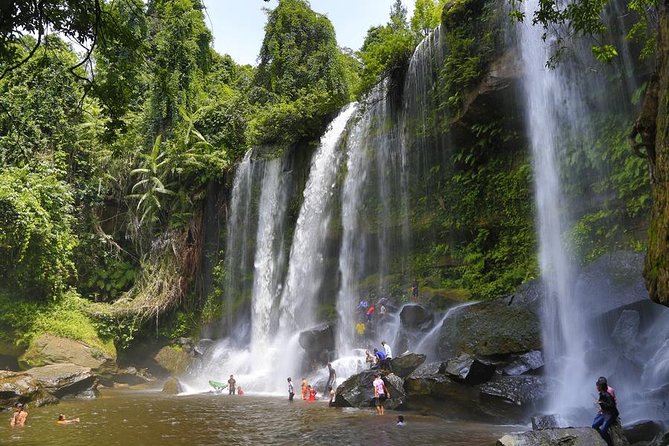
column 269, row 256
column 279, row 311
column 238, row 256
column 307, row 255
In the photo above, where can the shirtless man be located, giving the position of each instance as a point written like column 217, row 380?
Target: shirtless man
column 231, row 385
column 20, row 416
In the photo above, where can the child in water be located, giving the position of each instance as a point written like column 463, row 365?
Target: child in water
column 63, row 420
column 239, row 390
column 312, row 393
column 400, row 420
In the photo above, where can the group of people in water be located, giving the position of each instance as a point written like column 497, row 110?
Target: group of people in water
column 20, row 417
column 233, row 388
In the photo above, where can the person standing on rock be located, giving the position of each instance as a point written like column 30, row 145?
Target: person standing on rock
column 389, row 355
column 231, row 385
column 607, row 415
column 20, row 416
column 381, row 394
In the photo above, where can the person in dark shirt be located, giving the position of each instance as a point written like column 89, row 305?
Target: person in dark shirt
column 607, row 415
column 291, row 390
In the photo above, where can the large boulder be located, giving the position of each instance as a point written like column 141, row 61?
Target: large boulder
column 581, row 436
column 415, row 317
column 405, row 364
column 499, row 327
column 527, row 390
column 66, row 380
column 21, row 387
column 358, row 391
column 173, row 386
column 318, row 343
column 645, row 430
column 48, row 349
column 468, row 370
column 133, row 376
column 173, row 359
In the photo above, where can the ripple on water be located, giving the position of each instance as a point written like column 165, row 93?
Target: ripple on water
column 134, row 418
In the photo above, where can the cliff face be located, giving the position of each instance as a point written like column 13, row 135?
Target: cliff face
column 656, row 269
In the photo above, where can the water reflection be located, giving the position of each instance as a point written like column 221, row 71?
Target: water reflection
column 144, row 418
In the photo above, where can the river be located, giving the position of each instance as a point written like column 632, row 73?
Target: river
column 120, row 417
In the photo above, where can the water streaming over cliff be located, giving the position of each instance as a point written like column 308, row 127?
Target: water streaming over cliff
column 562, row 108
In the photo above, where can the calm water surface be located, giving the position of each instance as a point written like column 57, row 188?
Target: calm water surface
column 152, row 418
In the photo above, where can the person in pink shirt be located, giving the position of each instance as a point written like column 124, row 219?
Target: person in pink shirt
column 610, row 390
column 381, row 394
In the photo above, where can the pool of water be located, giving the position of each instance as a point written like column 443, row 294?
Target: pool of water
column 121, row 417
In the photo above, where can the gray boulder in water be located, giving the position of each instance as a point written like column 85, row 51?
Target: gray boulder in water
column 357, row 391
column 580, row 436
column 66, row 380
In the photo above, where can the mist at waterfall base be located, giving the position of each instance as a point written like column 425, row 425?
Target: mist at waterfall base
column 560, row 107
column 370, row 208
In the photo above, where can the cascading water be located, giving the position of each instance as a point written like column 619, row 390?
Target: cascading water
column 307, row 256
column 273, row 350
column 560, row 107
column 552, row 109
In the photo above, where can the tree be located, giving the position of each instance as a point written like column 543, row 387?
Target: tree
column 426, row 16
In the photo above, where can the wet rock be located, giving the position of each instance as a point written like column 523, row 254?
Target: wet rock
column 545, row 422
column 318, row 343
column 405, row 364
column 173, row 387
column 21, row 387
column 503, row 326
column 203, row 346
column 583, row 436
column 626, row 330
column 66, row 380
column 416, row 317
column 614, row 280
column 468, row 370
column 48, row 349
column 174, row 359
column 660, row 440
column 645, row 430
column 527, row 362
column 358, row 391
column 519, row 390
column 132, row 376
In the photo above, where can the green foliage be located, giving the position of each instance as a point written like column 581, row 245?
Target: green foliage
column 301, row 79
column 470, row 35
column 386, row 51
column 65, row 318
column 36, row 240
column 121, row 329
column 426, row 16
column 620, row 223
column 587, row 18
column 39, row 108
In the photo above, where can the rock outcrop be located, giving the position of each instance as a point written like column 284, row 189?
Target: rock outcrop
column 174, row 359
column 468, row 370
column 48, row 349
column 357, row 391
column 66, row 380
column 498, row 327
column 406, row 363
column 318, row 343
column 581, row 436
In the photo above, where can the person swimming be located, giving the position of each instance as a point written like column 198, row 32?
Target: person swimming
column 63, row 420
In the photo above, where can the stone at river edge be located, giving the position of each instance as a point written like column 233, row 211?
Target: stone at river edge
column 172, row 386
column 174, row 359
column 48, row 349
column 580, row 436
column 498, row 327
column 22, row 387
column 63, row 380
column 357, row 391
